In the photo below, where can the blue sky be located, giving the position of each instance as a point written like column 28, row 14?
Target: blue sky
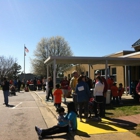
column 91, row 27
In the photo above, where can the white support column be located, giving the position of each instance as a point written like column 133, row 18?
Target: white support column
column 54, row 73
column 129, row 82
column 125, row 78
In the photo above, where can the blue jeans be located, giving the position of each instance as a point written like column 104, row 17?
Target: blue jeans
column 6, row 94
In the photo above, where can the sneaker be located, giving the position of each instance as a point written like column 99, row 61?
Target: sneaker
column 38, row 131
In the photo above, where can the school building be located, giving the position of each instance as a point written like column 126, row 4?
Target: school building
column 122, row 73
column 123, row 65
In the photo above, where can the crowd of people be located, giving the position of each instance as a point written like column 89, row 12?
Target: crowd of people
column 80, row 88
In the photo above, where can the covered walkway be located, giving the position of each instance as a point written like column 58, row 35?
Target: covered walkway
column 117, row 61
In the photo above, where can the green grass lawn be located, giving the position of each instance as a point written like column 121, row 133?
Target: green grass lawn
column 129, row 107
column 114, row 112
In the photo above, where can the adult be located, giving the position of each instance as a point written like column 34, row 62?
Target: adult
column 44, row 80
column 73, row 83
column 89, row 82
column 83, row 96
column 5, row 88
column 64, row 87
column 98, row 73
column 69, row 124
column 15, row 83
column 35, row 83
column 23, row 83
column 18, row 85
column 110, row 82
column 39, row 84
column 50, row 88
column 27, row 83
column 99, row 98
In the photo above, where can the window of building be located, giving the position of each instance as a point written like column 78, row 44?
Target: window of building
column 113, row 71
column 103, row 72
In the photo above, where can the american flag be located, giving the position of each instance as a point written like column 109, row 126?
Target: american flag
column 26, row 50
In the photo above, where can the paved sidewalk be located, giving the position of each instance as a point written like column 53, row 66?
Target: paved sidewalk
column 125, row 122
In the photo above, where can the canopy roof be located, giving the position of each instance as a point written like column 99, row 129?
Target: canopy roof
column 120, row 61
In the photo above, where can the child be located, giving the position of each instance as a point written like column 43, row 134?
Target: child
column 57, row 96
column 114, row 91
column 120, row 92
column 62, row 125
column 61, row 119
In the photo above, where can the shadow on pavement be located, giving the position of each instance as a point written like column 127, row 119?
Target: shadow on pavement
column 123, row 123
column 64, row 136
column 81, row 133
column 101, row 125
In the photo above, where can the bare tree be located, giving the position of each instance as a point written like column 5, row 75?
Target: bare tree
column 6, row 66
column 54, row 46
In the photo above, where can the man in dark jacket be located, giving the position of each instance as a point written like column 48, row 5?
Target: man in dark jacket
column 5, row 88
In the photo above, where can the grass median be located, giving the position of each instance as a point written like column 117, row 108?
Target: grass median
column 129, row 107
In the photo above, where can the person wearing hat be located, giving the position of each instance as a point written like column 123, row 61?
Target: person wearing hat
column 73, row 83
column 98, row 73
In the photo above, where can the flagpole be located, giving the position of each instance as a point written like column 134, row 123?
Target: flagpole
column 24, row 61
